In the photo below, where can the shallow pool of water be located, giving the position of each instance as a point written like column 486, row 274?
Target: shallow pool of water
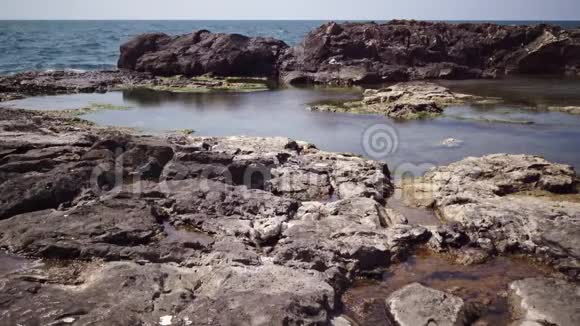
column 410, row 147
column 484, row 284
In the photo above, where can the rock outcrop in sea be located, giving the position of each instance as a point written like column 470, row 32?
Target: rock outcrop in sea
column 405, row 101
column 363, row 53
column 201, row 53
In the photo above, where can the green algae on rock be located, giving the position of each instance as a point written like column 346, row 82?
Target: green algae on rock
column 91, row 108
column 405, row 101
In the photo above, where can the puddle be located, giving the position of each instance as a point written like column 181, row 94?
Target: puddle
column 415, row 215
column 187, row 237
column 486, row 284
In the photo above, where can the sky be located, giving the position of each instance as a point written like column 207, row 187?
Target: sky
column 293, row 9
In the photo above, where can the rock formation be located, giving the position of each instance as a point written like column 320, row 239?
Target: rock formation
column 137, row 229
column 509, row 203
column 544, row 301
column 201, row 53
column 363, row 53
column 411, row 100
column 409, row 50
column 416, row 304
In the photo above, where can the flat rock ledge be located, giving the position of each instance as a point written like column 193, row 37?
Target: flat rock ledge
column 416, row 304
column 70, row 82
column 405, row 101
column 507, row 204
column 124, row 229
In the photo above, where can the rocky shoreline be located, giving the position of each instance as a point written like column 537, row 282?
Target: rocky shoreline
column 133, row 229
column 106, row 226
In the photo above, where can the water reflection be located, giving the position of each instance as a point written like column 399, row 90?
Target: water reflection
column 146, row 98
column 543, row 91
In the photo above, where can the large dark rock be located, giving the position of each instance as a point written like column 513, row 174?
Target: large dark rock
column 359, row 53
column 409, row 50
column 202, row 52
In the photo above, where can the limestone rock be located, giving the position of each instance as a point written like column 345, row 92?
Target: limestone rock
column 411, row 100
column 510, row 203
column 416, row 304
column 543, row 301
column 184, row 230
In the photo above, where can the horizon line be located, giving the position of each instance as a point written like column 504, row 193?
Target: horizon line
column 281, row 19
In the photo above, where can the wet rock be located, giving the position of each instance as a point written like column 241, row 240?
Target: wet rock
column 471, row 256
column 200, row 53
column 413, row 100
column 483, row 196
column 416, row 304
column 447, row 236
column 359, row 53
column 543, row 301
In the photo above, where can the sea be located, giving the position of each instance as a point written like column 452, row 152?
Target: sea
column 93, row 45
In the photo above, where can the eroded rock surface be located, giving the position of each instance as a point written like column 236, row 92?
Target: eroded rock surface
column 544, row 301
column 493, row 199
column 411, row 100
column 416, row 304
column 134, row 229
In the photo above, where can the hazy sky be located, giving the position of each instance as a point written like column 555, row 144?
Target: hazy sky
column 292, row 9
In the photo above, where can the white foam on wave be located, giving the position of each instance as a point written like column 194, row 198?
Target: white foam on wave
column 78, row 71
